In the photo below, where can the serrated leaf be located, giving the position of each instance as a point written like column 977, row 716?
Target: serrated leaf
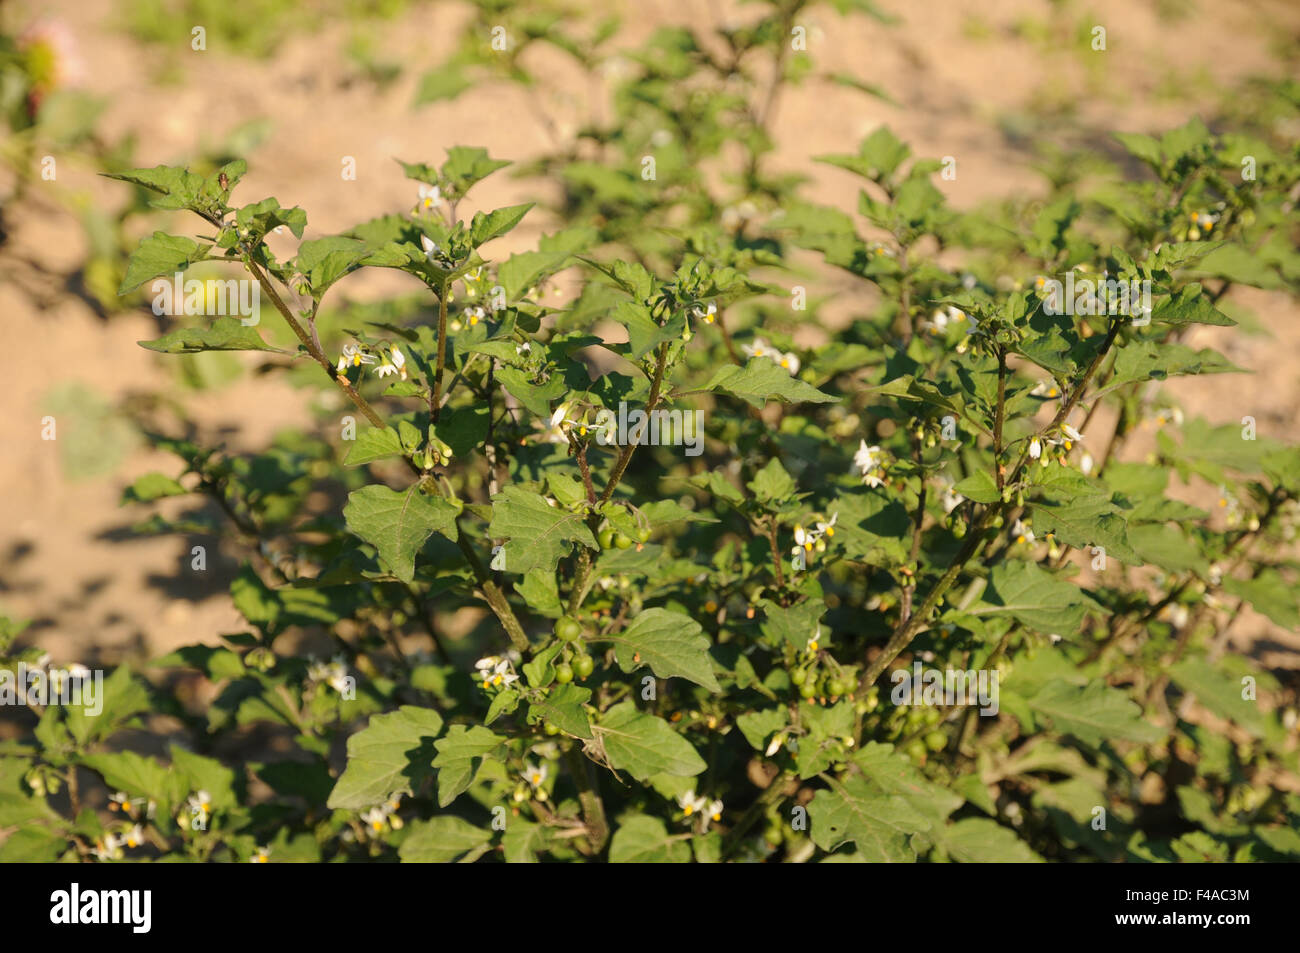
column 226, row 334
column 762, row 380
column 391, row 755
column 562, row 707
column 160, row 255
column 1037, row 599
column 398, row 524
column 878, row 825
column 645, row 745
column 374, row 444
column 539, row 533
column 672, row 644
column 496, row 223
column 440, row 840
column 641, row 839
column 460, row 755
column 979, row 840
column 1094, row 713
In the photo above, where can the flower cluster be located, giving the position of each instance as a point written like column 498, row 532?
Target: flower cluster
column 871, row 464
column 383, row 817
column 760, row 348
column 693, row 806
column 496, row 672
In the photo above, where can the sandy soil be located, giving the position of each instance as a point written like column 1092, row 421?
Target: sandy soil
column 964, row 81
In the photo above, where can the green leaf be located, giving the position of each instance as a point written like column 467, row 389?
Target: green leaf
column 440, row 840
column 391, row 755
column 894, row 774
column 374, row 444
column 160, row 255
column 496, row 223
column 1085, row 522
column 980, row 487
column 152, row 486
column 1218, row 691
column 671, row 643
column 641, row 839
column 226, row 334
column 1094, row 713
column 1040, row 601
column 539, row 533
column 1189, row 306
column 644, row 745
column 562, row 707
column 878, row 824
column 772, row 484
column 759, row 726
column 442, row 82
column 1271, row 595
column 467, row 165
column 398, row 524
column 979, row 840
column 460, row 755
column 763, row 379
column 323, row 261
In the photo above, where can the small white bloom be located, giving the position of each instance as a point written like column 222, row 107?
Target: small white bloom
column 535, row 774
column 1035, row 448
column 430, row 197
column 691, row 804
column 260, row 856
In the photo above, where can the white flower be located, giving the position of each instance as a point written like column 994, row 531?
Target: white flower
column 1022, row 532
column 713, row 812
column 396, row 364
column 559, row 417
column 1045, row 389
column 814, row 641
column 523, row 349
column 760, row 348
column 200, row 805
column 498, row 674
column 535, row 774
column 354, row 356
column 376, row 819
column 134, row 837
column 430, row 197
column 475, row 315
column 691, row 804
column 949, row 497
column 260, row 856
column 869, row 462
column 1086, row 463
column 1071, row 435
column 1035, row 448
column 828, row 529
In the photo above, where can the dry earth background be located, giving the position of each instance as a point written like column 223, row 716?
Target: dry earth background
column 968, row 79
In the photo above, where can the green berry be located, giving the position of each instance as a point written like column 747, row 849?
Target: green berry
column 606, row 538
column 643, row 534
column 808, row 689
column 584, row 666
column 836, row 687
column 936, row 740
column 567, row 628
column 621, row 541
column 799, row 676
column 564, row 673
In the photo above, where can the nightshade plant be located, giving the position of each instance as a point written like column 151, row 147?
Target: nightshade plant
column 551, row 646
